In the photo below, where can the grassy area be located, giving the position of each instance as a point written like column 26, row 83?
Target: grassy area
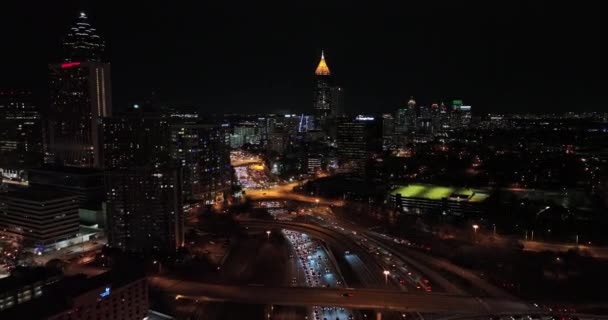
column 424, row 191
column 433, row 192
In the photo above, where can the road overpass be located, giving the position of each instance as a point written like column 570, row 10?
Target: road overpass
column 285, row 192
column 376, row 299
column 360, row 298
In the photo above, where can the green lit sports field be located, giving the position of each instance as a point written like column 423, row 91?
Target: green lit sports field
column 432, row 192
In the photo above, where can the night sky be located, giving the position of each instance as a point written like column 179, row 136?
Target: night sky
column 512, row 57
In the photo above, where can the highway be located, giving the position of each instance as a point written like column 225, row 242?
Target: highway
column 376, row 299
column 366, row 267
column 364, row 263
column 428, row 265
column 437, row 263
column 319, row 271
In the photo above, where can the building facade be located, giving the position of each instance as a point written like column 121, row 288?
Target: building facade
column 203, row 153
column 143, row 185
column 113, row 295
column 25, row 284
column 357, row 138
column 337, row 101
column 39, row 218
column 20, row 136
column 144, row 209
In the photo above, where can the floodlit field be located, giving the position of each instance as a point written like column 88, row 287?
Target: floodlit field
column 432, row 192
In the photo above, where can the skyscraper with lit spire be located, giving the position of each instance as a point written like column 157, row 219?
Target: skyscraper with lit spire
column 82, row 42
column 322, row 93
column 80, row 96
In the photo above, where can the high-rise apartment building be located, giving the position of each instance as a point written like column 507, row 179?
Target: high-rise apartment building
column 143, row 185
column 202, row 151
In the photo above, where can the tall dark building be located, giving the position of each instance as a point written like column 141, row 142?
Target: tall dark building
column 143, row 186
column 337, row 101
column 424, row 121
column 322, row 94
column 203, row 152
column 406, row 118
column 80, row 96
column 20, row 136
column 357, row 138
column 388, row 131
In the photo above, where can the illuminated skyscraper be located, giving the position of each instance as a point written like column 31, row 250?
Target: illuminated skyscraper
column 322, row 94
column 82, row 42
column 80, row 96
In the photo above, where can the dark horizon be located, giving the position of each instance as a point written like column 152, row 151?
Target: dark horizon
column 511, row 57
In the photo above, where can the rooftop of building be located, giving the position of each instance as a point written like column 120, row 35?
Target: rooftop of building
column 58, row 297
column 22, row 276
column 30, row 194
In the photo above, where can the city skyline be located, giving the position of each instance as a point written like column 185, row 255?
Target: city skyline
column 512, row 58
column 432, row 161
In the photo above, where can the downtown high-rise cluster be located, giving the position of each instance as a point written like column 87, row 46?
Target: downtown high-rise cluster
column 127, row 172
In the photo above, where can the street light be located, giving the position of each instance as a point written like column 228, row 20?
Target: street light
column 475, row 227
column 386, row 273
column 160, row 266
column 268, row 234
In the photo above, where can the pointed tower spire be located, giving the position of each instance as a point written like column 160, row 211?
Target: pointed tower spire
column 322, row 68
column 82, row 43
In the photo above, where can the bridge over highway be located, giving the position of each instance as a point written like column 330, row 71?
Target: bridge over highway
column 376, row 299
